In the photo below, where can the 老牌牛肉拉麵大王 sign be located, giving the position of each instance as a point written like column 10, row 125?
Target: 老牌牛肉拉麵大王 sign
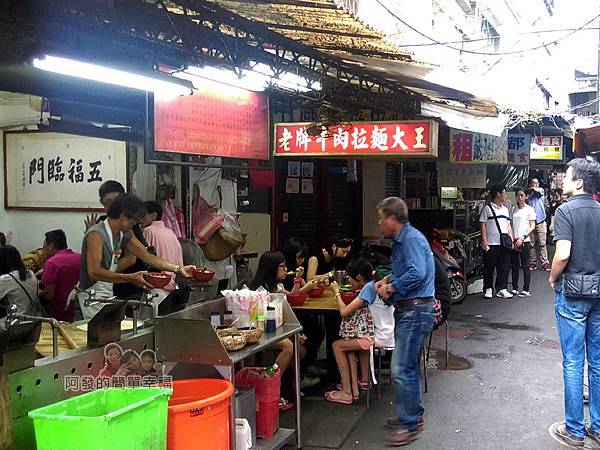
column 398, row 138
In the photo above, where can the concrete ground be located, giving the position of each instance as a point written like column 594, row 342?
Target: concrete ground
column 510, row 394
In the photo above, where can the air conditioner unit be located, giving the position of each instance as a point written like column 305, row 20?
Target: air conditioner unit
column 21, row 110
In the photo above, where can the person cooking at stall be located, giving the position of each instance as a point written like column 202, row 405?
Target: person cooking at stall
column 102, row 246
column 330, row 258
column 160, row 237
column 108, row 191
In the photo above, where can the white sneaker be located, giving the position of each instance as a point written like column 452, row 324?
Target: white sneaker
column 525, row 294
column 309, row 382
column 504, row 294
column 514, row 292
column 488, row 293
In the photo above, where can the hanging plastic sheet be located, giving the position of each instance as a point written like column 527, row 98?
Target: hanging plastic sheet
column 509, row 176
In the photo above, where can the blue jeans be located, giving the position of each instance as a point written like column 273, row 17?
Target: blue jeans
column 578, row 322
column 413, row 324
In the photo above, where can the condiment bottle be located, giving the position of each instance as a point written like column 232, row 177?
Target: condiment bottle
column 215, row 319
column 261, row 322
column 271, row 325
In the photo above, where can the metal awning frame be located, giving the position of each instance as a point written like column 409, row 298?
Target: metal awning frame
column 202, row 34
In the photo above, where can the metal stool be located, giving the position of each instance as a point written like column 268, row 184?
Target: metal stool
column 447, row 325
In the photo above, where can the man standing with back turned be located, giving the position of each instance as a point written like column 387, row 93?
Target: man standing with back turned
column 410, row 288
column 535, row 198
column 575, row 276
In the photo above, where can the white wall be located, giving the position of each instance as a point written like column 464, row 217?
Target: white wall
column 25, row 229
column 258, row 228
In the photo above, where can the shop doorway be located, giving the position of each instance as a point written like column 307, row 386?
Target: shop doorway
column 314, row 209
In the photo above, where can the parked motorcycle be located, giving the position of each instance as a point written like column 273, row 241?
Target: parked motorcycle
column 458, row 282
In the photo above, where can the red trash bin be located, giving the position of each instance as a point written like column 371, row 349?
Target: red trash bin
column 267, row 390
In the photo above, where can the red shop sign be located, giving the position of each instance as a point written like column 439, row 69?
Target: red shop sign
column 230, row 122
column 400, row 138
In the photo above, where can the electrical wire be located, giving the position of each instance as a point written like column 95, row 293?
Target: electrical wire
column 515, row 52
column 490, row 38
column 583, row 105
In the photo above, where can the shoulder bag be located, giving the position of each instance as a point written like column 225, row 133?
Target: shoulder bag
column 36, row 308
column 505, row 239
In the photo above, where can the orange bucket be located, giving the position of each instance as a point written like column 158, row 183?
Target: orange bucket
column 199, row 414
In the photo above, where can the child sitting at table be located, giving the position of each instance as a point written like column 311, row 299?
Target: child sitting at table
column 356, row 331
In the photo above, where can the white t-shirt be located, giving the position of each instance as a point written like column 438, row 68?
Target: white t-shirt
column 520, row 221
column 15, row 294
column 493, row 236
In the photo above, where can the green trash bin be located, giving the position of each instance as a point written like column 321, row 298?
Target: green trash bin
column 107, row 419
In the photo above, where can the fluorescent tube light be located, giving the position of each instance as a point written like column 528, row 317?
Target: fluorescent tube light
column 257, row 79
column 162, row 87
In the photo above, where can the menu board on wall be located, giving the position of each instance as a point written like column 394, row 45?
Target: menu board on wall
column 50, row 171
column 231, row 123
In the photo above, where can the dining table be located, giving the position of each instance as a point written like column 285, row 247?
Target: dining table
column 324, row 303
column 326, row 308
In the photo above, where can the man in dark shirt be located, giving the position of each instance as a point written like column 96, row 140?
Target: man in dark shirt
column 410, row 288
column 575, row 276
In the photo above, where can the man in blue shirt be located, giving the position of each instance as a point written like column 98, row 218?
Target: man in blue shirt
column 535, row 198
column 411, row 288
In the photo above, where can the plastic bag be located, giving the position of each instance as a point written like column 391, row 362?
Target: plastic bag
column 245, row 304
column 276, row 300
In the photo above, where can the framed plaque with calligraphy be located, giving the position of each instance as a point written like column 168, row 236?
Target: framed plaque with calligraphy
column 359, row 139
column 56, row 171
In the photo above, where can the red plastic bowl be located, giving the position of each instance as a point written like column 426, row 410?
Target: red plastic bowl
column 202, row 275
column 316, row 291
column 158, row 279
column 296, row 298
column 347, row 297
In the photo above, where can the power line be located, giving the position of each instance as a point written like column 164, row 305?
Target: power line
column 466, row 41
column 583, row 105
column 515, row 52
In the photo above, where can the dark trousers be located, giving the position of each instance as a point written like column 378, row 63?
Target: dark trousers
column 520, row 261
column 496, row 259
column 315, row 333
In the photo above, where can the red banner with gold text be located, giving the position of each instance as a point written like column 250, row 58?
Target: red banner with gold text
column 400, row 138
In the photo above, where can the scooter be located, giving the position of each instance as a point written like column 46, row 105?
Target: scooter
column 458, row 282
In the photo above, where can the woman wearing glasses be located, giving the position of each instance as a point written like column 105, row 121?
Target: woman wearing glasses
column 270, row 274
column 330, row 258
